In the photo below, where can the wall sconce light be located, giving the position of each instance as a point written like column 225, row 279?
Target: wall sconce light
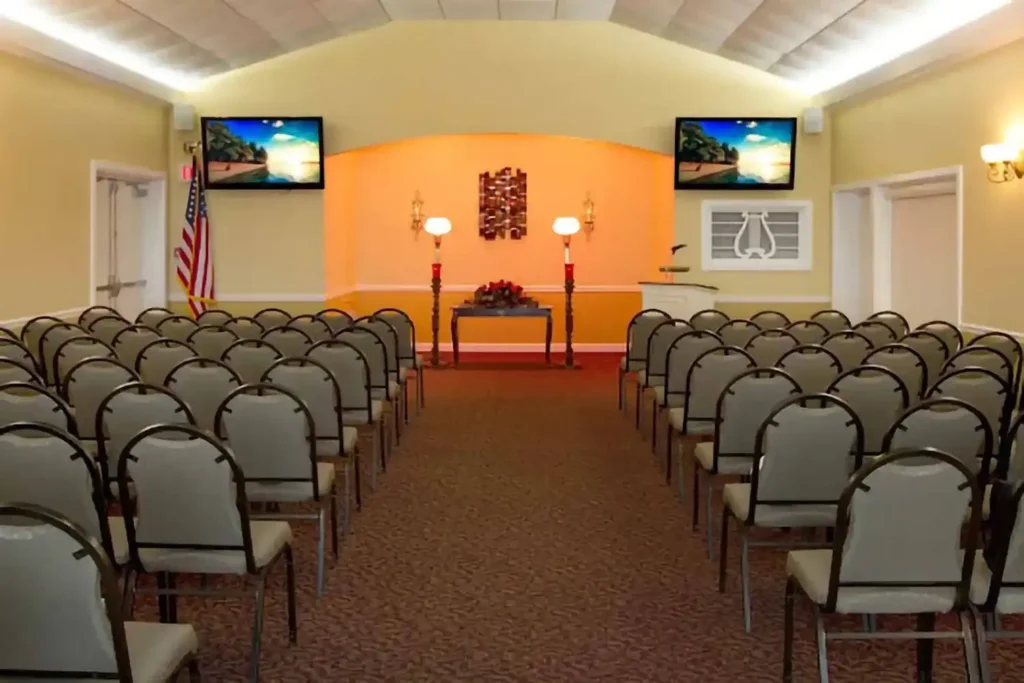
column 588, row 215
column 417, row 213
column 1003, row 161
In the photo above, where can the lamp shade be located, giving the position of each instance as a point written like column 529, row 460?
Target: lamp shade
column 437, row 226
column 566, row 225
column 999, row 153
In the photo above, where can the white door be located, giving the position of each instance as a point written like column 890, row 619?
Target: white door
column 120, row 237
column 925, row 258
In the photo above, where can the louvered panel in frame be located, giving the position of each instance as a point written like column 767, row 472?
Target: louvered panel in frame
column 769, row 235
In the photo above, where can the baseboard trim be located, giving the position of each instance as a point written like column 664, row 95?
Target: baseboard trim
column 982, row 329
column 66, row 314
column 470, row 347
column 768, row 299
column 178, row 297
column 472, row 288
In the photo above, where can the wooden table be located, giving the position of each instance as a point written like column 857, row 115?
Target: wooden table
column 466, row 311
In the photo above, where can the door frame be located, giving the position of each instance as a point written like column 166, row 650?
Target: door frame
column 880, row 193
column 154, row 238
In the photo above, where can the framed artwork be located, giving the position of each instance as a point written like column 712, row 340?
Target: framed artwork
column 503, row 204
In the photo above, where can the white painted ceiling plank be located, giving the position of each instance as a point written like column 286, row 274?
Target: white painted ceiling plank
column 526, row 10
column 470, row 10
column 584, row 10
column 412, row 10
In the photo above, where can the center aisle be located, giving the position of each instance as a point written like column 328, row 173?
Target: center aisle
column 524, row 533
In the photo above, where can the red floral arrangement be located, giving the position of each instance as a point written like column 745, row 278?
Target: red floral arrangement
column 501, row 294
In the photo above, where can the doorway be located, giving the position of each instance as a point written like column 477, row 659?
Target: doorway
column 128, row 238
column 897, row 243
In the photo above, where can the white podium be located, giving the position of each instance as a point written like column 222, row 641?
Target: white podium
column 678, row 299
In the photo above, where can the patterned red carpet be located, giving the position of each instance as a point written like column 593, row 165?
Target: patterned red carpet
column 524, row 533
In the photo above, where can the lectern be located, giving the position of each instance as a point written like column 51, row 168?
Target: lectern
column 678, row 299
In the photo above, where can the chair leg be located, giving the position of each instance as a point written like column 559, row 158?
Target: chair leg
column 985, row 669
column 257, row 633
column 681, row 469
column 128, row 593
column 970, row 646
column 161, row 597
column 405, row 399
column 723, row 547
column 744, row 578
column 709, row 531
column 695, row 516
column 357, row 465
column 194, row 674
column 421, row 388
column 293, row 621
column 819, row 627
column 668, row 453
column 321, row 533
column 172, row 599
column 638, row 401
column 351, row 471
column 787, row 639
column 925, row 649
column 374, row 447
column 334, row 515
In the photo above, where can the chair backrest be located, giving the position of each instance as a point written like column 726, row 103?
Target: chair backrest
column 1011, row 453
column 981, row 388
column 107, row 327
column 832, row 320
column 157, row 358
column 213, row 317
column 131, row 340
column 905, row 362
column 15, row 371
column 709, row 375
column 808, row 331
column 802, row 454
column 955, row 425
column 50, row 341
column 211, row 342
column 744, row 404
column 708, row 320
column 151, row 317
column 272, row 434
column 877, row 332
column 373, row 349
column 877, row 395
column 896, row 322
column 25, row 402
column 851, row 348
column 388, row 336
column 1004, row 552
column 250, row 358
column 737, row 332
column 899, row 528
column 177, row 327
column 315, row 328
column 681, row 354
column 202, row 384
column 335, row 318
column 245, row 327
column 987, row 357
column 931, row 348
column 947, row 332
column 404, row 328
column 44, row 465
column 13, row 349
column 272, row 317
column 126, row 411
column 315, row 385
column 770, row 320
column 812, row 366
column 662, row 336
column 62, row 605
column 350, row 368
column 290, row 341
column 638, row 332
column 768, row 346
column 33, row 330
column 8, row 333
column 164, row 461
column 87, row 383
column 1003, row 343
column 94, row 313
column 74, row 350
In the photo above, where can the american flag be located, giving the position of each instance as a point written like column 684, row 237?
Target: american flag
column 195, row 255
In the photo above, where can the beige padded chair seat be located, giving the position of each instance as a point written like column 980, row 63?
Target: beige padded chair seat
column 676, row 400
column 156, row 651
column 811, row 569
column 357, row 416
column 1011, row 600
column 737, row 497
column 705, row 454
column 291, row 491
column 329, row 449
column 415, row 363
column 118, row 540
column 393, row 388
column 676, row 416
column 268, row 539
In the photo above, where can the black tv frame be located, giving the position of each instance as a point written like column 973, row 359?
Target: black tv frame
column 265, row 186
column 735, row 187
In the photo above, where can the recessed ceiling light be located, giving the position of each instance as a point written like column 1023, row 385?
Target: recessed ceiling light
column 936, row 19
column 25, row 12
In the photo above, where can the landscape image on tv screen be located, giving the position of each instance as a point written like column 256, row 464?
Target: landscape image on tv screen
column 750, row 154
column 263, row 153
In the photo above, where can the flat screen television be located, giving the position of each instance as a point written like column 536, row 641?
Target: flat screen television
column 263, row 153
column 735, row 154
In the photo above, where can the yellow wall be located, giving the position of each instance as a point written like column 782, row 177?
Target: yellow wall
column 938, row 121
column 596, row 81
column 52, row 124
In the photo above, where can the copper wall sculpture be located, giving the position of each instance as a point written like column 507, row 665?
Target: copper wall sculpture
column 503, row 204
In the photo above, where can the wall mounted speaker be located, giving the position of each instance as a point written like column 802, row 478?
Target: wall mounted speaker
column 184, row 117
column 814, row 120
